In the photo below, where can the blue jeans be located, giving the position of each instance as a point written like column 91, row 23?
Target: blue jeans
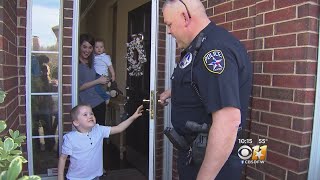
column 99, row 89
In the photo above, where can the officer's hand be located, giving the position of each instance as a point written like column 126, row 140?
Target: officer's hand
column 164, row 97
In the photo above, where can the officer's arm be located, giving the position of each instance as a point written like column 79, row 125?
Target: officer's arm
column 222, row 136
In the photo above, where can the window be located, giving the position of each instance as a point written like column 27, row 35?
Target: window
column 43, row 86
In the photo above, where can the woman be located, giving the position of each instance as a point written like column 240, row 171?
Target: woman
column 87, row 79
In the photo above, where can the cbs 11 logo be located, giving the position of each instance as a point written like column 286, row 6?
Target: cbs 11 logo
column 257, row 152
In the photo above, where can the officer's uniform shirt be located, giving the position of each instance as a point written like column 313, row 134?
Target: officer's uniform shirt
column 222, row 72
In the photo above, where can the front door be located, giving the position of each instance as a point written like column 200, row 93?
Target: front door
column 138, row 88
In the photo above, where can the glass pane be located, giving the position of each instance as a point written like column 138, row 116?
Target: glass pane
column 45, row 25
column 45, row 160
column 44, row 72
column 44, row 116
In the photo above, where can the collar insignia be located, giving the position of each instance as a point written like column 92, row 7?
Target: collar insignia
column 214, row 61
column 186, row 60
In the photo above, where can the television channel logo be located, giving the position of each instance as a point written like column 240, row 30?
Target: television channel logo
column 252, row 155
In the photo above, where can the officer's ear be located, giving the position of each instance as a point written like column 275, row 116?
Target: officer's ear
column 186, row 18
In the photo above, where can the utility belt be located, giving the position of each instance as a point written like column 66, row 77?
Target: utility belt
column 195, row 143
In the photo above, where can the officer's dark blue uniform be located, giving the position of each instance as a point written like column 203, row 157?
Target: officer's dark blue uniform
column 222, row 73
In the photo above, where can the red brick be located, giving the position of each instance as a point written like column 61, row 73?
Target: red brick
column 308, row 39
column 241, row 34
column 287, row 108
column 227, row 25
column 254, row 115
column 277, row 146
column 209, row 12
column 278, row 67
column 299, row 53
column 300, row 152
column 280, row 15
column 288, row 162
column 289, row 136
column 240, row 4
column 264, row 6
column 262, row 55
column 258, row 19
column 238, row 14
column 260, row 79
column 303, row 125
column 222, row 8
column 212, row 3
column 259, row 129
column 308, row 10
column 68, row 13
column 278, row 94
column 221, row 18
column 67, row 4
column 253, row 44
column 306, row 68
column 268, row 177
column 257, row 67
column 293, row 81
column 271, row 169
column 263, row 31
column 305, row 24
column 22, row 3
column 261, row 104
column 280, row 41
column 276, row 119
column 304, row 96
column 253, row 173
column 297, row 176
column 286, row 3
column 243, row 23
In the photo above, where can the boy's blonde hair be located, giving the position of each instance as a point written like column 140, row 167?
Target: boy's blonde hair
column 75, row 111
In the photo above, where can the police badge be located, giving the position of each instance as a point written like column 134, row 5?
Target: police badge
column 214, row 61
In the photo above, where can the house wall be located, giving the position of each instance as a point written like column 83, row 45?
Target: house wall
column 282, row 38
column 67, row 63
column 12, row 62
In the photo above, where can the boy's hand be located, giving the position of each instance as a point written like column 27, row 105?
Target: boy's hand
column 138, row 112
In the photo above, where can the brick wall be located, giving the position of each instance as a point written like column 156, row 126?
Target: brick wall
column 160, row 88
column 281, row 37
column 67, row 62
column 12, row 63
column 9, row 62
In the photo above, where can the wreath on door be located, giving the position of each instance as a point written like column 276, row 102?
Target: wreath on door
column 136, row 56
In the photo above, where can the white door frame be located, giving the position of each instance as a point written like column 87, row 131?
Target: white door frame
column 153, row 73
column 153, row 84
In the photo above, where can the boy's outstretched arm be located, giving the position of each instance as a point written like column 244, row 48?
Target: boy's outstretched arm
column 61, row 165
column 122, row 126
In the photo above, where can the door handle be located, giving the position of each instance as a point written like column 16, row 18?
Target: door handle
column 145, row 100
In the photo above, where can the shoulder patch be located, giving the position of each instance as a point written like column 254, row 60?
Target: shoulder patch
column 185, row 61
column 214, row 61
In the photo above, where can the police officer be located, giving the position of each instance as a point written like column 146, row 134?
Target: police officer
column 210, row 84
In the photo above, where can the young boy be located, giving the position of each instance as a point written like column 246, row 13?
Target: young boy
column 84, row 146
column 102, row 63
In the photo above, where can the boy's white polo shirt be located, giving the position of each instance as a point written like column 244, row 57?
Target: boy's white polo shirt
column 85, row 151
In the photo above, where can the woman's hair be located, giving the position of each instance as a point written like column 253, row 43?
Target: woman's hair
column 88, row 38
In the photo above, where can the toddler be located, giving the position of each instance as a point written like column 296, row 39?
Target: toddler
column 102, row 63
